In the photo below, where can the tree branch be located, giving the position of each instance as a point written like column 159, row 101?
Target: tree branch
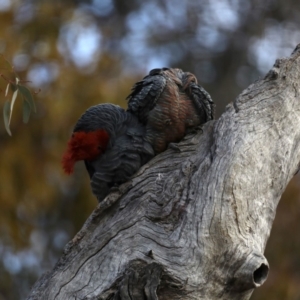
column 193, row 224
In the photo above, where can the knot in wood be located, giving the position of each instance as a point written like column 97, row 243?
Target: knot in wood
column 252, row 273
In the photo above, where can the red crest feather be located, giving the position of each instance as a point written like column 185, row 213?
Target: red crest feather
column 84, row 146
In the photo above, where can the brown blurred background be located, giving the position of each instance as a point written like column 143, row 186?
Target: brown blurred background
column 80, row 53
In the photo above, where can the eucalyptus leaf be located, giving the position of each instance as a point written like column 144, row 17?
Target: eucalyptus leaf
column 13, row 87
column 6, row 114
column 26, row 111
column 27, row 95
column 13, row 100
column 6, row 91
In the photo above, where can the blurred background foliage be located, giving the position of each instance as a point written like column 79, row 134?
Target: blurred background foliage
column 84, row 52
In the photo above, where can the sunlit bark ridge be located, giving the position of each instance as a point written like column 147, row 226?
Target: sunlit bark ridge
column 193, row 224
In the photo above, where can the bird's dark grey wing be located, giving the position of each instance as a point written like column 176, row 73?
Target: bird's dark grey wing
column 203, row 102
column 145, row 93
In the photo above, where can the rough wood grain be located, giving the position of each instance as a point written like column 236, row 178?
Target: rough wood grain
column 193, row 224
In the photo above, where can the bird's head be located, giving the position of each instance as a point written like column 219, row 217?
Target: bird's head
column 84, row 146
column 187, row 79
column 182, row 79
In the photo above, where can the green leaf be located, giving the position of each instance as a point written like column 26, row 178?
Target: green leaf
column 13, row 87
column 27, row 95
column 13, row 100
column 26, row 111
column 6, row 91
column 6, row 115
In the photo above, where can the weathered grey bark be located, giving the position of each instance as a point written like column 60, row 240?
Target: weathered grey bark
column 193, row 224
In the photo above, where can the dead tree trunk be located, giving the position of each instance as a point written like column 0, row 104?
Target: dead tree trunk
column 193, row 224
